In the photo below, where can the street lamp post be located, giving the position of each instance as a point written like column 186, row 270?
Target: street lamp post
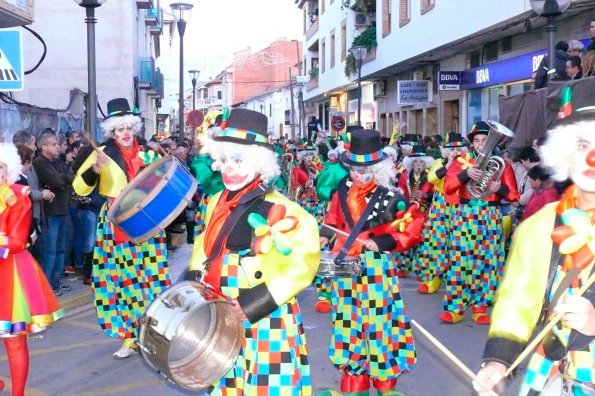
column 359, row 53
column 90, row 20
column 194, row 74
column 181, row 13
column 550, row 9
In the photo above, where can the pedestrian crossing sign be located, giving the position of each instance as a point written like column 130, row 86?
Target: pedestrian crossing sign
column 11, row 60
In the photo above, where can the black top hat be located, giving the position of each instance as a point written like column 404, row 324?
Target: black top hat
column 479, row 128
column 119, row 107
column 365, row 148
column 410, row 139
column 586, row 113
column 454, row 139
column 245, row 127
column 418, row 151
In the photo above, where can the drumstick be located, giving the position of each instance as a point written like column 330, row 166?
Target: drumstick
column 343, row 233
column 448, row 354
column 529, row 348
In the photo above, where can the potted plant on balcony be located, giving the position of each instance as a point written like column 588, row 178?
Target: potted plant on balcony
column 313, row 72
column 356, row 5
column 367, row 38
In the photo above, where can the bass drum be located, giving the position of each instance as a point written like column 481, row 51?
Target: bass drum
column 190, row 336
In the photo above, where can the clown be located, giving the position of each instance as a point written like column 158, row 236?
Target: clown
column 126, row 276
column 431, row 257
column 27, row 303
column 371, row 339
column 262, row 250
column 414, row 183
column 544, row 272
column 475, row 245
column 304, row 181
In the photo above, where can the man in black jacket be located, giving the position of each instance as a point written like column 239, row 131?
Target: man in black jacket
column 53, row 175
column 543, row 71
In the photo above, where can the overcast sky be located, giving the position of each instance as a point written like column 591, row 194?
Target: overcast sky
column 219, row 28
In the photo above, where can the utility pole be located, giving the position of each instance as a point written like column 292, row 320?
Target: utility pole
column 292, row 104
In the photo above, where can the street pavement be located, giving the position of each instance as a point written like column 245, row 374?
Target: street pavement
column 74, row 357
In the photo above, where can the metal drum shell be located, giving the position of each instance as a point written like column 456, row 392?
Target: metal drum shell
column 176, row 317
column 167, row 199
column 350, row 267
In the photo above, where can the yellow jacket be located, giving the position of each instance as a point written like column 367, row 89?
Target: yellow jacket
column 112, row 179
column 272, row 278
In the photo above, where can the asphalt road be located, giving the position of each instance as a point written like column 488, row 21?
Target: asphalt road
column 74, row 357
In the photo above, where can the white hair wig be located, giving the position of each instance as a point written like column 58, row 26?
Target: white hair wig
column 445, row 151
column 109, row 125
column 302, row 153
column 332, row 153
column 263, row 160
column 383, row 173
column 560, row 147
column 391, row 152
column 409, row 161
column 11, row 159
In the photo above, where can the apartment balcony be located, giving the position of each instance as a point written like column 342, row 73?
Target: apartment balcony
column 312, row 29
column 16, row 13
column 313, row 83
column 146, row 73
column 157, row 90
column 144, row 4
column 152, row 17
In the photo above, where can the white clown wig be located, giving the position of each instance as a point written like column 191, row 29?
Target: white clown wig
column 409, row 161
column 560, row 146
column 391, row 152
column 109, row 125
column 10, row 158
column 263, row 160
column 383, row 173
column 445, row 151
column 332, row 153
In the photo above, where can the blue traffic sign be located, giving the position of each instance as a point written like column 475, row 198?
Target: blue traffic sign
column 11, row 60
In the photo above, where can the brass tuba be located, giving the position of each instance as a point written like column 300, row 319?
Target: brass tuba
column 491, row 166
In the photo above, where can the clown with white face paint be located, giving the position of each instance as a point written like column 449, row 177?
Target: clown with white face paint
column 371, row 341
column 260, row 272
column 544, row 272
column 131, row 274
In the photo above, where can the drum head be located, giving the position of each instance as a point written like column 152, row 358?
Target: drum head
column 143, row 187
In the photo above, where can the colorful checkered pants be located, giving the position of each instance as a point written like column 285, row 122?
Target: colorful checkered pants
column 274, row 355
column 371, row 330
column 126, row 278
column 201, row 212
column 431, row 259
column 475, row 257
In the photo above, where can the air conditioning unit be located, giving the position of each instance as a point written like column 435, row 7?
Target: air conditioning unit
column 418, row 75
column 361, row 20
column 379, row 88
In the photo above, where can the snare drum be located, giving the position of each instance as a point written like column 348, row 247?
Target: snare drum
column 190, row 337
column 349, row 267
column 153, row 199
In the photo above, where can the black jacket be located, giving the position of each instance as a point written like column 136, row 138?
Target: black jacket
column 56, row 177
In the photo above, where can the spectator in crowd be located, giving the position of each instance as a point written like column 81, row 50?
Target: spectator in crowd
column 588, row 64
column 313, row 128
column 543, row 70
column 543, row 189
column 575, row 48
column 528, row 158
column 574, row 67
column 53, row 175
column 537, row 143
column 591, row 45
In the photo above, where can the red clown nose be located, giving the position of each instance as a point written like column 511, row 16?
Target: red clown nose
column 591, row 158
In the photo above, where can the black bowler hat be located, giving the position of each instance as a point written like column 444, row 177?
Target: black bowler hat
column 119, row 107
column 454, row 139
column 410, row 139
column 244, row 126
column 479, row 128
column 417, row 151
column 365, row 148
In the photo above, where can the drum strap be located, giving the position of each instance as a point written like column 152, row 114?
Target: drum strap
column 252, row 198
column 358, row 226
